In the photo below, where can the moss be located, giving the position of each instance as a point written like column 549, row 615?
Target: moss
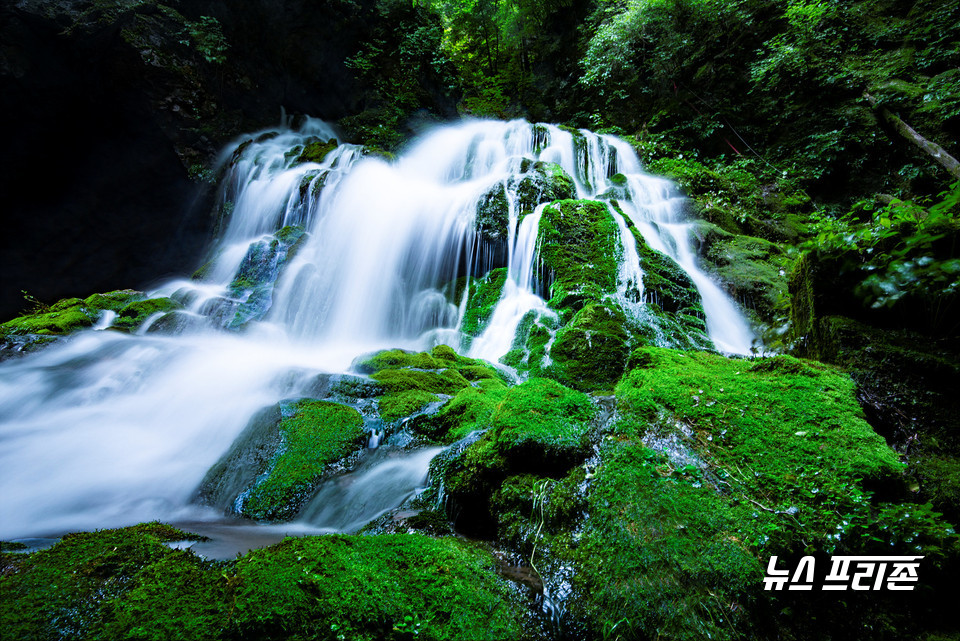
column 466, row 412
column 484, row 295
column 113, row 301
column 493, row 215
column 64, row 592
column 579, row 245
column 126, row 584
column 543, row 182
column 58, row 322
column 316, row 151
column 396, row 359
column 131, row 316
column 380, row 587
column 753, row 271
column 396, row 405
column 591, row 351
column 537, row 427
column 70, row 314
column 528, row 352
column 314, row 434
column 259, row 270
column 447, row 381
column 712, row 466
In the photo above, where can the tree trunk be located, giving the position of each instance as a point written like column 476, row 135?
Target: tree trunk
column 934, row 150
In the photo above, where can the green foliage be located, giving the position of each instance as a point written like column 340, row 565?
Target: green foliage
column 207, row 36
column 904, row 250
column 403, row 65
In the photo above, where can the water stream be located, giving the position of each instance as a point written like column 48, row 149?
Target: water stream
column 107, row 429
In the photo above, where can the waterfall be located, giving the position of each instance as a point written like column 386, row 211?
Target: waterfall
column 315, row 262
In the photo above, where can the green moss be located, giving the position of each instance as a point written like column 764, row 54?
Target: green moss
column 316, row 151
column 377, row 587
column 754, row 272
column 131, row 316
column 537, row 427
column 396, row 405
column 803, row 412
column 114, row 301
column 259, row 270
column 314, row 434
column 484, row 295
column 543, row 182
column 528, row 353
column 396, row 359
column 179, row 596
column 493, row 215
column 714, row 465
column 126, row 584
column 447, row 381
column 70, row 314
column 591, row 350
column 63, row 592
column 59, row 322
column 579, row 245
column 466, row 412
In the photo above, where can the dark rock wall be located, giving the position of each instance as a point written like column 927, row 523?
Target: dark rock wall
column 100, row 128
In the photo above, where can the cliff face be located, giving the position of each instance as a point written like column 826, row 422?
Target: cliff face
column 113, row 111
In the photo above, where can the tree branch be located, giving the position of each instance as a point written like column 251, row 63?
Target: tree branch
column 932, row 149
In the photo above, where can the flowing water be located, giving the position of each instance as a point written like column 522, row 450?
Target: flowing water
column 108, row 429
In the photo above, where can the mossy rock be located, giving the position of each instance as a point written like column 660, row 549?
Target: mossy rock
column 316, row 151
column 258, row 273
column 375, row 587
column 412, row 381
column 543, row 182
column 754, row 272
column 133, row 315
column 906, row 383
column 485, row 293
column 469, row 410
column 493, row 216
column 528, row 353
column 72, row 590
column 127, row 583
column 579, row 246
column 591, row 350
column 70, row 314
column 538, row 427
column 711, row 466
column 278, row 461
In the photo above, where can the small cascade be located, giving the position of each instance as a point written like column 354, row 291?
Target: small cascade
column 519, row 295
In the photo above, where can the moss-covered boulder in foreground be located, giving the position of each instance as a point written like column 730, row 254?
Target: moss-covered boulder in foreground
column 127, row 584
column 287, row 450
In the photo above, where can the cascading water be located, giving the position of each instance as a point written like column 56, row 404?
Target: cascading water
column 316, row 263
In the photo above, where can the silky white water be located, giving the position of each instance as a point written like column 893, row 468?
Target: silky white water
column 107, row 429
